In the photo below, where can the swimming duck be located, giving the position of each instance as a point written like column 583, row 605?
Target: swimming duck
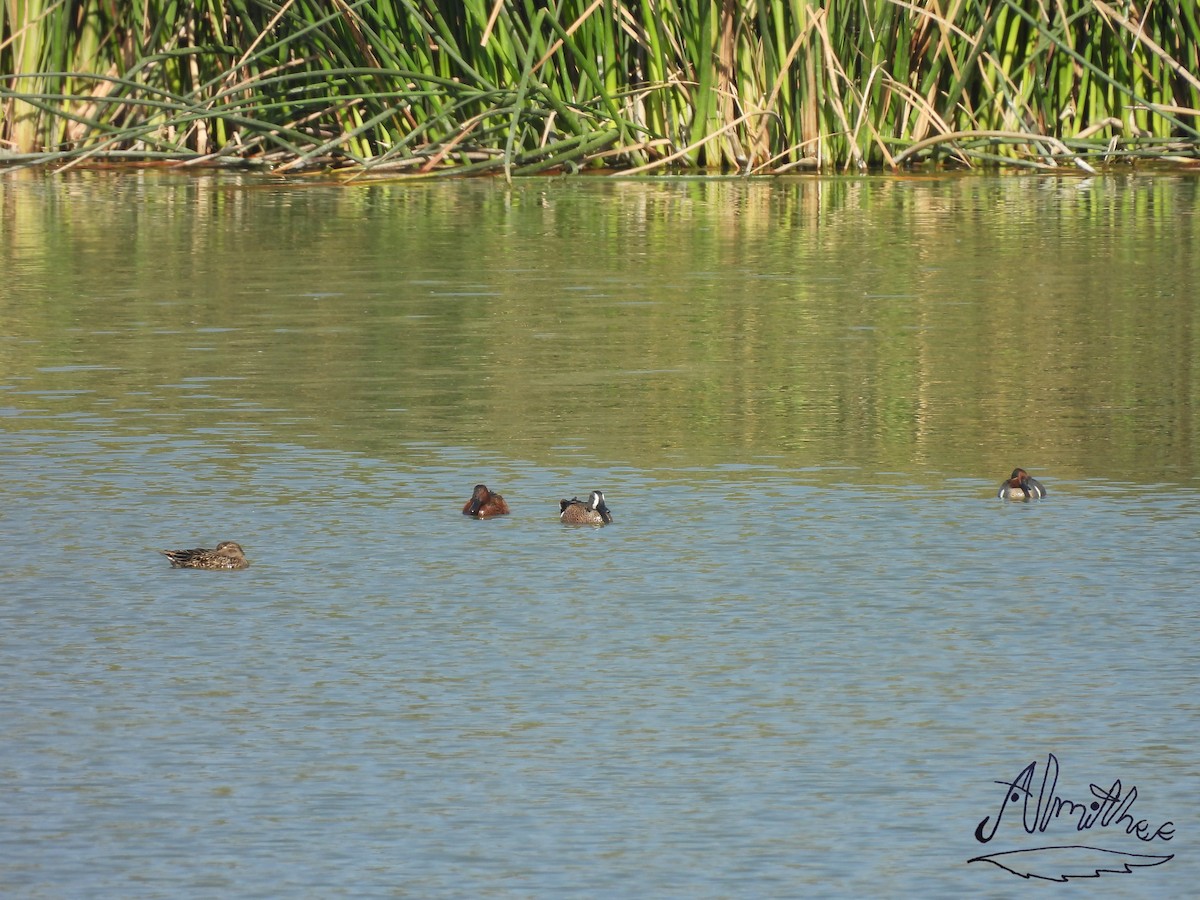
column 1020, row 486
column 484, row 504
column 576, row 512
column 228, row 555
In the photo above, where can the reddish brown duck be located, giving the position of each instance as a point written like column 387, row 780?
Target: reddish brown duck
column 484, row 504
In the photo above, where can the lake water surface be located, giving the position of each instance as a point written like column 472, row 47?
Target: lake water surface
column 797, row 664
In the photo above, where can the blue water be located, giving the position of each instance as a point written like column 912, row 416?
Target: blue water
column 754, row 683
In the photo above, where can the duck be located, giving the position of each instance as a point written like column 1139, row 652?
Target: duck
column 594, row 512
column 1021, row 486
column 228, row 555
column 484, row 504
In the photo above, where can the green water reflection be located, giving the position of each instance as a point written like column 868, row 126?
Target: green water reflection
column 944, row 325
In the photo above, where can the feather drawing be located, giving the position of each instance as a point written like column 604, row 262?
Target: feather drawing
column 1074, row 861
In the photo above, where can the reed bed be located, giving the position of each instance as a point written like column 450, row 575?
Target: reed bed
column 524, row 86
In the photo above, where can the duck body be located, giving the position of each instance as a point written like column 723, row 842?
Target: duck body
column 1021, row 486
column 228, row 555
column 593, row 512
column 484, row 504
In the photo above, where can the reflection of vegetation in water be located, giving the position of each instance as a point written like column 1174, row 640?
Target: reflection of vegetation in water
column 951, row 324
column 498, row 85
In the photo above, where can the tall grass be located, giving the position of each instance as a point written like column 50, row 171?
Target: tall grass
column 520, row 86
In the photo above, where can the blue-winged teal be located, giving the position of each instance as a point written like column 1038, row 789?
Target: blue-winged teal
column 576, row 512
column 228, row 555
column 1020, row 486
column 484, row 504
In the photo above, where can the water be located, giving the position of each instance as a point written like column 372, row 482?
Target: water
column 795, row 665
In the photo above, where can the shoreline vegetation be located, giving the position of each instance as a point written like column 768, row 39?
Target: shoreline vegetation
column 517, row 87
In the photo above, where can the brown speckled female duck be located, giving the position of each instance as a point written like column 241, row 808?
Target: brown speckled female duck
column 1021, row 486
column 576, row 512
column 228, row 555
column 484, row 504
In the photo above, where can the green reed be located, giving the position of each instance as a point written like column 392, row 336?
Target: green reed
column 513, row 86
